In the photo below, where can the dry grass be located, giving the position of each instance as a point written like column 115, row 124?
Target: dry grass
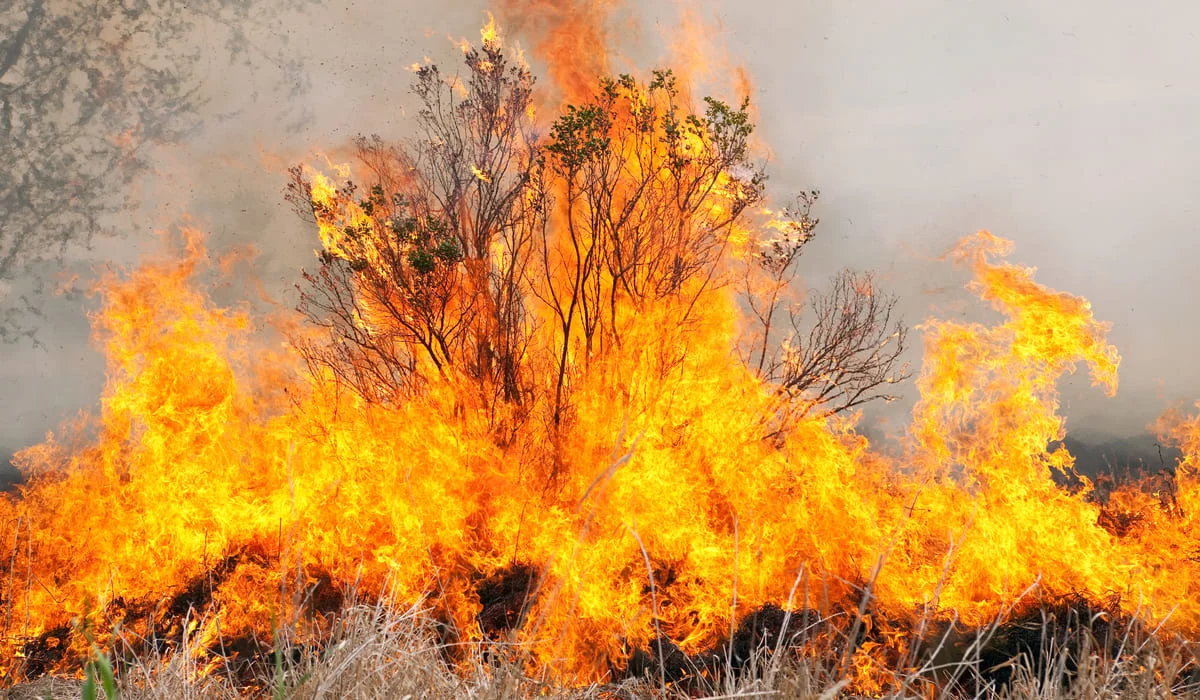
column 381, row 651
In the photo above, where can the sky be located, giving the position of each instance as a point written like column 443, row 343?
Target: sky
column 1068, row 127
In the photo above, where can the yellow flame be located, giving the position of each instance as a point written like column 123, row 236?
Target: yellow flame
column 233, row 460
column 489, row 34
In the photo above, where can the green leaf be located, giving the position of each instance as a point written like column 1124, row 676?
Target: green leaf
column 99, row 668
column 89, row 690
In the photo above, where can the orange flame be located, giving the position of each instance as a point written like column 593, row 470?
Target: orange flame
column 658, row 509
column 573, row 40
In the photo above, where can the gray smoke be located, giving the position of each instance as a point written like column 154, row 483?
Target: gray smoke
column 1068, row 127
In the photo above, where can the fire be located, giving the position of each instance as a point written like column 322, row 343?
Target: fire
column 480, row 174
column 611, row 459
column 489, row 35
column 572, row 40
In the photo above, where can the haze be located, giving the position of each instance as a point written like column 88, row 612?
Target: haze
column 1069, row 127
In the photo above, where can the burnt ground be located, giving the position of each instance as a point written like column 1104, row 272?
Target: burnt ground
column 157, row 625
column 505, row 597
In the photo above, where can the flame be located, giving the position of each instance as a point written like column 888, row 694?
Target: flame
column 223, row 457
column 572, row 40
column 489, row 35
column 481, row 175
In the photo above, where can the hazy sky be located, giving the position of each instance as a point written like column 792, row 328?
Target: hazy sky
column 1070, row 127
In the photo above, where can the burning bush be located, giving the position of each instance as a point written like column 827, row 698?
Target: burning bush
column 542, row 397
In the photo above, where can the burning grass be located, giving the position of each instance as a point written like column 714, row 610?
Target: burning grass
column 346, row 643
column 532, row 435
column 1044, row 649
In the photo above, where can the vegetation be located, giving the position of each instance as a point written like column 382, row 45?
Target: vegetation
column 480, row 234
column 384, row 651
column 495, row 269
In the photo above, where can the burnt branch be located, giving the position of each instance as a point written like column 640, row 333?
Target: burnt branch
column 650, row 193
column 851, row 353
column 421, row 275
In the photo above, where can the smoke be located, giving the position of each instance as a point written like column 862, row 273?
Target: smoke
column 1064, row 128
column 309, row 83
